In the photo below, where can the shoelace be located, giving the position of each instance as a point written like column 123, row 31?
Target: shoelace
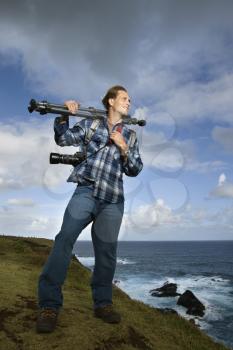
column 48, row 313
column 108, row 308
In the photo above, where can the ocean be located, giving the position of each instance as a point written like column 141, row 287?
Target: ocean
column 204, row 267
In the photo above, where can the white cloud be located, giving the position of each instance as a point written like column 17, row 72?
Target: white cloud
column 168, row 160
column 24, row 202
column 224, row 136
column 10, row 184
column 201, row 100
column 37, row 221
column 158, row 52
column 24, row 154
column 147, row 216
column 205, row 167
column 159, row 221
column 173, row 155
column 39, row 224
column 25, row 149
column 26, row 223
column 221, row 179
column 224, row 189
column 155, row 221
column 176, row 72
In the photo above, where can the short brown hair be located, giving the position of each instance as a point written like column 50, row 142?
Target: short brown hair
column 112, row 93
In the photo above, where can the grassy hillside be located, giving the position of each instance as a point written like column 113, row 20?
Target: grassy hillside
column 143, row 327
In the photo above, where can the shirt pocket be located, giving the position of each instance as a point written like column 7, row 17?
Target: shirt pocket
column 94, row 144
column 116, row 155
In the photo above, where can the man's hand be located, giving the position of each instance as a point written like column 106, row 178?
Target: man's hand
column 118, row 139
column 72, row 106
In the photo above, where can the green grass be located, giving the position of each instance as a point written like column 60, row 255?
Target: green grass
column 142, row 327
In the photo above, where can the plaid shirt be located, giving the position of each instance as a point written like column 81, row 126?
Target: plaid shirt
column 104, row 168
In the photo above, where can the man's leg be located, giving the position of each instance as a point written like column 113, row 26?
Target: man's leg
column 105, row 230
column 78, row 214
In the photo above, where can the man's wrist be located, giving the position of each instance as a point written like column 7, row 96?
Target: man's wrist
column 125, row 151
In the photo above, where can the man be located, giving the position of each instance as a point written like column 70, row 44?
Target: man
column 98, row 198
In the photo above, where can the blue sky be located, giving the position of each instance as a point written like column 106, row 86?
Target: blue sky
column 175, row 59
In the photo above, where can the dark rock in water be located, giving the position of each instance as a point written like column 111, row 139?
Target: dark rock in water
column 167, row 290
column 167, row 310
column 190, row 301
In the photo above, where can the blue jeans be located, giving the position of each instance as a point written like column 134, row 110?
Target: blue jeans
column 82, row 209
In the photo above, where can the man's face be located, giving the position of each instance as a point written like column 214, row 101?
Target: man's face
column 121, row 103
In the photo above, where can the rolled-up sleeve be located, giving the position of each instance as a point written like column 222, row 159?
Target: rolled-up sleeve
column 65, row 136
column 133, row 164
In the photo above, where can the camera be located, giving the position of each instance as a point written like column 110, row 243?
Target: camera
column 71, row 159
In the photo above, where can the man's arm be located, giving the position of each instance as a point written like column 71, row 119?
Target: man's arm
column 132, row 163
column 63, row 135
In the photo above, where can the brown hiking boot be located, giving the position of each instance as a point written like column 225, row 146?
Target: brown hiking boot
column 47, row 320
column 107, row 314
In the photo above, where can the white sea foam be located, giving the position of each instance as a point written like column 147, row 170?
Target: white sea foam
column 124, row 261
column 213, row 292
column 89, row 261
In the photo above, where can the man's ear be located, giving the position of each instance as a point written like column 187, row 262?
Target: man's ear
column 110, row 101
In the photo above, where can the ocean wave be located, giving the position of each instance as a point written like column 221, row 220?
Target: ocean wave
column 213, row 291
column 89, row 261
column 124, row 261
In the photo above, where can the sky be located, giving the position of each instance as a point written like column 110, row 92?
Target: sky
column 175, row 59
